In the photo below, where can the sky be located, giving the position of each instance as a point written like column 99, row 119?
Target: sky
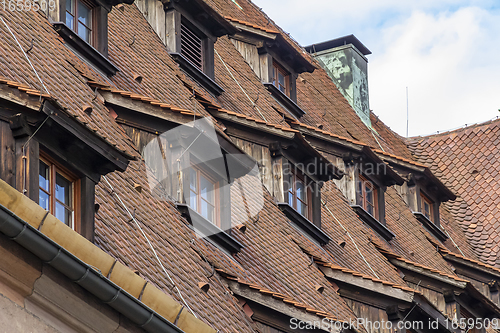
column 446, row 52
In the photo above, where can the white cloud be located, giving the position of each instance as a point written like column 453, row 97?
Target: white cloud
column 445, row 51
column 441, row 58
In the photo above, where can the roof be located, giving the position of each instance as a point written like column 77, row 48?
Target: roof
column 276, row 258
column 466, row 161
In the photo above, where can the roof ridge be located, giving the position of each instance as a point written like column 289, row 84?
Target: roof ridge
column 457, row 130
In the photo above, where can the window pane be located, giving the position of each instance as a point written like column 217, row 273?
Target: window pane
column 369, row 196
column 359, row 188
column 290, row 198
column 83, row 32
column 192, row 180
column 207, row 211
column 207, row 189
column 301, row 190
column 44, row 200
column 281, row 80
column 44, row 178
column 193, row 203
column 64, row 215
column 63, row 190
column 70, row 6
column 70, row 21
column 301, row 208
column 83, row 14
column 370, row 209
column 427, row 210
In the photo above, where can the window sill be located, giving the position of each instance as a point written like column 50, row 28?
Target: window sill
column 430, row 226
column 197, row 74
column 209, row 230
column 304, row 224
column 373, row 223
column 285, row 100
column 85, row 49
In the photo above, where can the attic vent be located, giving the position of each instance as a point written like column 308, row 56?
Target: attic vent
column 191, row 46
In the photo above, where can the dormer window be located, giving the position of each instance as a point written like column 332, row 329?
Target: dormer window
column 57, row 189
column 79, row 19
column 368, row 195
column 365, row 188
column 423, row 192
column 83, row 24
column 427, row 207
column 281, row 78
column 297, row 186
column 204, row 195
column 191, row 31
column 299, row 194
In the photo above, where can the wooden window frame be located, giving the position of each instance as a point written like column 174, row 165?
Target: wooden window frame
column 93, row 17
column 54, row 168
column 423, row 200
column 362, row 197
column 277, row 68
column 294, row 176
column 217, row 204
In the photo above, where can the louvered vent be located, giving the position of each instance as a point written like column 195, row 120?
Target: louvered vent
column 191, row 46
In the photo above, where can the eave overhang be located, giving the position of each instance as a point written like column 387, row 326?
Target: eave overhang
column 61, row 133
column 279, row 304
column 158, row 118
column 271, row 40
column 350, row 150
column 299, row 151
column 204, row 14
column 365, row 284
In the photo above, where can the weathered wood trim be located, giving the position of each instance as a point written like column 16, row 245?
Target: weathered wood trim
column 207, row 229
column 253, row 31
column 424, row 272
column 7, row 155
column 368, row 285
column 495, row 275
column 145, row 108
column 375, row 224
column 20, row 98
column 27, row 165
column 272, row 303
column 116, row 160
column 87, row 208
